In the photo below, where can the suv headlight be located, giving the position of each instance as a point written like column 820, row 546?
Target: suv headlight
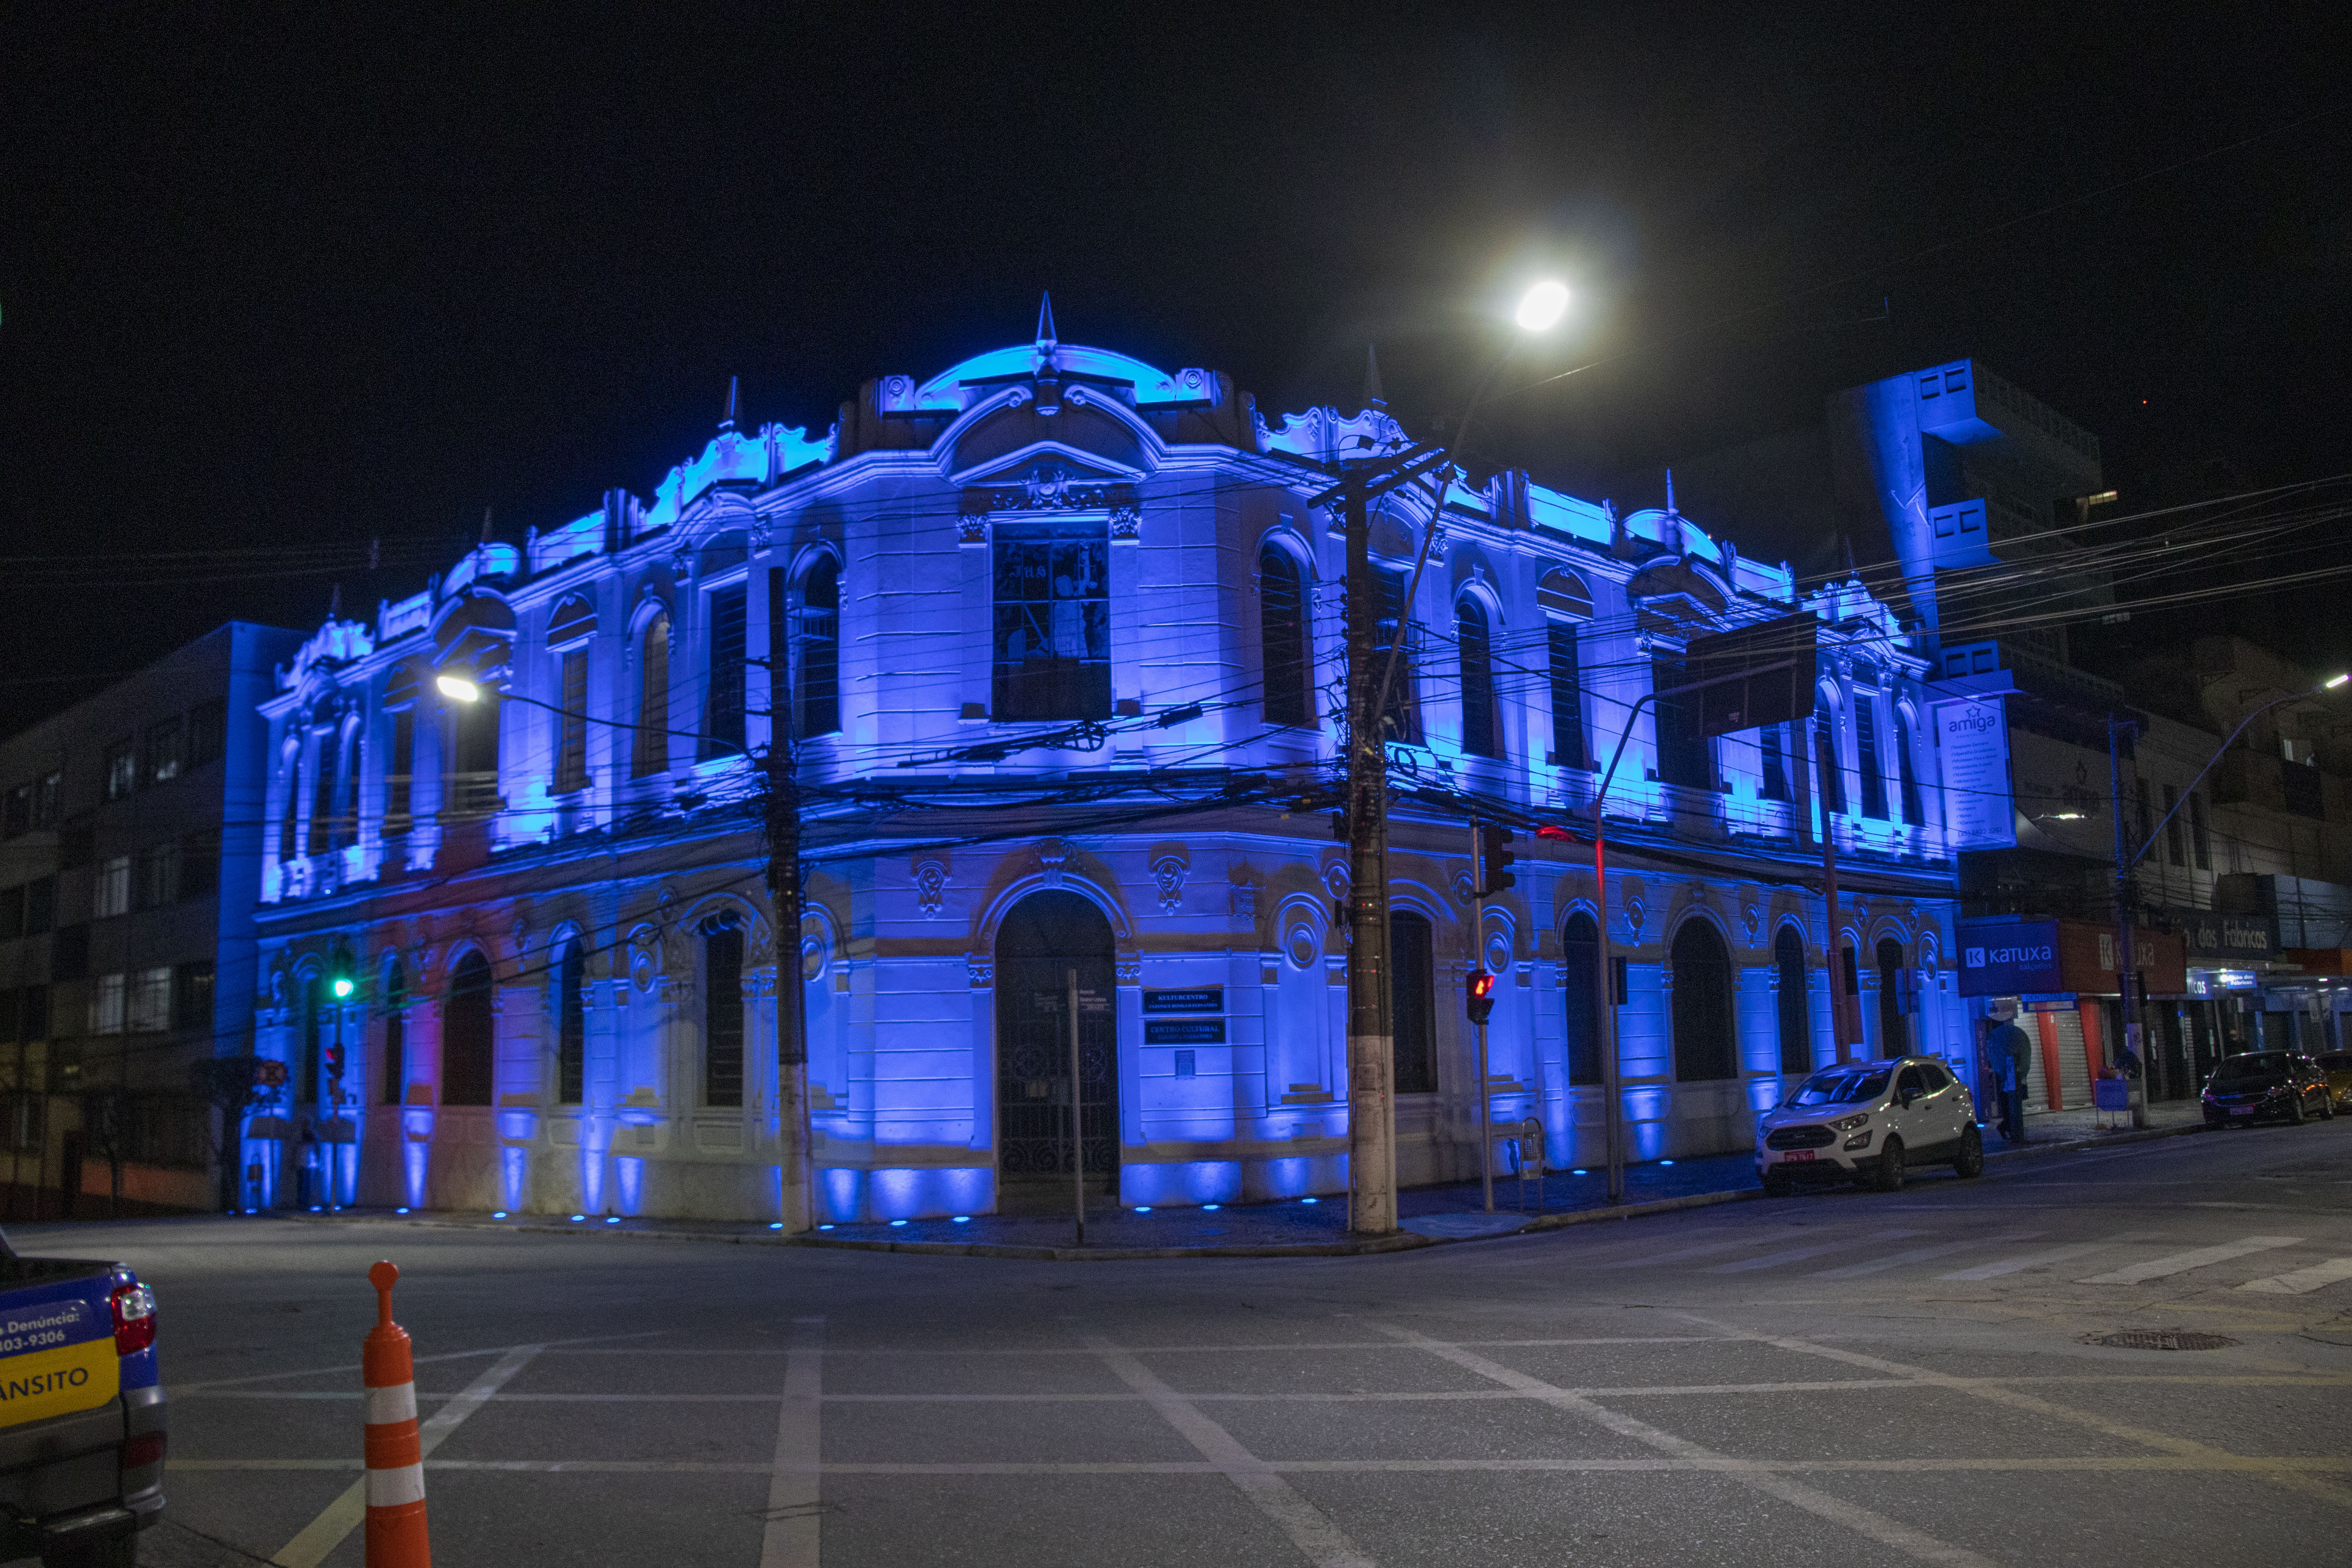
column 1848, row 1123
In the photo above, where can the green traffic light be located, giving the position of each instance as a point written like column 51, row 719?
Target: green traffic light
column 343, row 987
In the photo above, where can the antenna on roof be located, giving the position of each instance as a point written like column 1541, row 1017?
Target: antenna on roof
column 1373, row 397
column 728, row 423
column 1045, row 340
column 1670, row 494
column 486, row 525
column 335, row 604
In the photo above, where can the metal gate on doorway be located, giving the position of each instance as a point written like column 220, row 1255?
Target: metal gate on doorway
column 1045, row 938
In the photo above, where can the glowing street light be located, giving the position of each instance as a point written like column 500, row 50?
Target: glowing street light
column 458, row 686
column 1542, row 307
column 2336, row 681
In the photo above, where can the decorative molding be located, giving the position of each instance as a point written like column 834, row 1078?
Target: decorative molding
column 1245, row 897
column 1051, row 854
column 931, row 885
column 1463, row 892
column 1168, row 876
column 1126, row 524
column 1128, row 969
column 1335, row 878
column 763, row 534
column 1752, row 917
column 982, row 970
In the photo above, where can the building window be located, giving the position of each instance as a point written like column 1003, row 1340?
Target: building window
column 108, row 994
column 1412, row 998
column 400, row 775
column 49, row 799
column 163, row 752
column 1285, row 644
column 468, row 1045
column 1052, row 626
column 289, row 816
column 1772, row 747
column 70, row 952
column 1865, row 746
column 571, row 1025
column 722, row 1015
column 1580, row 984
column 12, row 913
column 207, row 731
column 1396, row 636
column 200, row 863
column 2200, row 843
column 158, row 879
column 1796, row 1013
column 1906, row 770
column 2173, row 851
column 1703, row 1044
column 40, row 905
column 110, row 891
column 571, row 622
column 1474, row 647
column 1684, row 755
column 1567, row 750
column 33, row 1014
column 572, row 725
column 325, row 764
column 816, row 648
column 474, row 779
column 1825, row 760
column 17, row 812
column 722, row 714
column 150, row 1003
column 1894, row 1036
column 651, row 755
column 191, row 994
column 120, row 770
column 395, row 1034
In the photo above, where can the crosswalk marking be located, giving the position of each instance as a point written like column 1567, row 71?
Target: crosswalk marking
column 1681, row 1252
column 2303, row 1280
column 1799, row 1254
column 1919, row 1255
column 2025, row 1260
column 2181, row 1262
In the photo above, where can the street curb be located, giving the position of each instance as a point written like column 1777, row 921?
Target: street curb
column 2096, row 1140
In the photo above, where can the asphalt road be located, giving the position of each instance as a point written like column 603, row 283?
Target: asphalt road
column 1841, row 1378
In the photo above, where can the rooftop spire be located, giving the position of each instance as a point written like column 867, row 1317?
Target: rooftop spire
column 1045, row 340
column 1372, row 397
column 1670, row 494
column 732, row 382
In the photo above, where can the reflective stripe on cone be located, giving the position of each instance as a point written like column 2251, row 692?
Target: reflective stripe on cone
column 396, row 1535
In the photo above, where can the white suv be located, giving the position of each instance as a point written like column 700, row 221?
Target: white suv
column 1869, row 1121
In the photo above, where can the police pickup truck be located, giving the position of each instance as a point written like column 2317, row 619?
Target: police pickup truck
column 81, row 1411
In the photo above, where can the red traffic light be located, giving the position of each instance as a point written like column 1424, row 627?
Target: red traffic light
column 1553, row 830
column 1479, row 995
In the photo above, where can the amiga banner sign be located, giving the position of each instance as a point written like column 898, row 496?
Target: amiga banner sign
column 1972, row 745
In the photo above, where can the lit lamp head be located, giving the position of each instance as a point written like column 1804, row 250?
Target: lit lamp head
column 343, row 987
column 2334, row 681
column 458, row 688
column 1541, row 307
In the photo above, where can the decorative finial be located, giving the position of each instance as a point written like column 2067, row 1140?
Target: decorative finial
column 335, row 604
column 1372, row 396
column 732, row 382
column 1670, row 494
column 1046, row 339
column 486, row 525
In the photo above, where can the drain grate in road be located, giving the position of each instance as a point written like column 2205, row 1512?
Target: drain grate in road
column 2160, row 1340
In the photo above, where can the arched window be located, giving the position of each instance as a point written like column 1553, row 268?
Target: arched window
column 1396, row 640
column 1865, row 753
column 722, row 1013
column 1825, row 757
column 1907, row 770
column 289, row 820
column 1565, row 602
column 571, row 620
column 400, row 691
column 1413, row 1001
column 1796, row 1013
column 1894, row 1032
column 1704, row 1043
column 816, row 638
column 652, row 752
column 325, row 769
column 314, row 1022
column 1580, row 955
column 727, row 623
column 1282, row 631
column 474, row 755
column 570, row 1026
column 468, row 1047
column 1474, row 646
column 396, row 1032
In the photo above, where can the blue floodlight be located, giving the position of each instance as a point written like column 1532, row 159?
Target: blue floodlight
column 824, row 1228
column 1310, row 1200
column 1579, row 1172
column 316, row 1209
column 578, row 1217
column 395, row 1211
column 1143, row 1208
column 775, row 1225
column 497, row 1214
column 1666, row 1162
column 611, row 1220
column 962, row 1219
column 897, row 1221
column 1211, row 1209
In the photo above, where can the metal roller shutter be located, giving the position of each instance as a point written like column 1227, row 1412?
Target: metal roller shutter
column 2073, row 1068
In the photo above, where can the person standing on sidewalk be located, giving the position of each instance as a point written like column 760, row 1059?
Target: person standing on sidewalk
column 2007, row 1047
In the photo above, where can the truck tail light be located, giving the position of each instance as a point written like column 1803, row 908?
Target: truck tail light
column 147, row 1448
column 134, row 1318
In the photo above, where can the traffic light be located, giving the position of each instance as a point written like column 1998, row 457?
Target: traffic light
column 1494, row 859
column 340, row 981
column 1480, row 995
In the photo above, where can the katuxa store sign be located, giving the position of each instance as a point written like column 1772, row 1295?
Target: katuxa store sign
column 2009, row 958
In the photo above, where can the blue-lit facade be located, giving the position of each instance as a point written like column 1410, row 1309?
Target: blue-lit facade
column 1059, row 640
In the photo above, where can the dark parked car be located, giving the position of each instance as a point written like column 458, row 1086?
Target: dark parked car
column 2266, row 1084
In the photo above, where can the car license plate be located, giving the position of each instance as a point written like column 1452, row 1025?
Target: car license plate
column 1796, row 1154
column 2242, row 1111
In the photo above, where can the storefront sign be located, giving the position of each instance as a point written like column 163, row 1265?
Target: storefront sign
column 1972, row 740
column 2008, row 958
column 2214, row 938
column 1183, row 1031
column 1199, row 999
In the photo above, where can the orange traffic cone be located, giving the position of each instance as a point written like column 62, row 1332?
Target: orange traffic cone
column 395, row 1458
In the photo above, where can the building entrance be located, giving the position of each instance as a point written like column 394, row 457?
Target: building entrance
column 1045, row 937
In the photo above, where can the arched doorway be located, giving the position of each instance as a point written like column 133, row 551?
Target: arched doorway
column 1704, row 1045
column 1043, row 938
column 467, row 1048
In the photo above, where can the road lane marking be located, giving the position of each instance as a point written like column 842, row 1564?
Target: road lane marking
column 2181, row 1262
column 792, row 1537
column 1283, row 1347
column 1319, row 1539
column 1706, row 1250
column 1799, row 1254
column 2181, row 1447
column 1919, row 1255
column 180, row 1391
column 1877, row 1527
column 2025, row 1260
column 2303, row 1280
column 2173, row 1462
column 340, row 1518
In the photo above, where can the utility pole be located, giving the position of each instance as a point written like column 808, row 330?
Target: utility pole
column 2126, row 971
column 783, row 826
column 1371, row 1031
column 1843, row 1022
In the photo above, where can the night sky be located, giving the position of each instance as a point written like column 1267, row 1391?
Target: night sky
column 277, row 279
